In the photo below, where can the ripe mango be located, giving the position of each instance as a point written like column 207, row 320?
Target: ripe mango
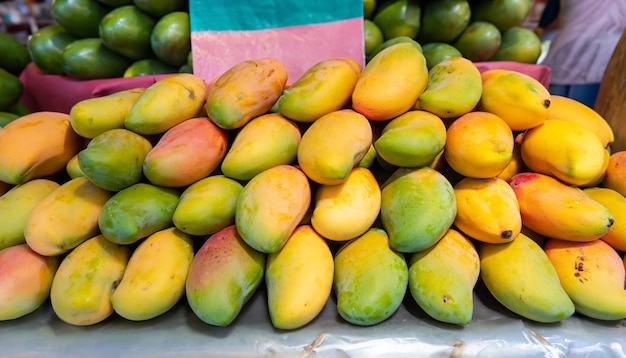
column 270, row 207
column 615, row 175
column 93, row 116
column 246, row 90
column 333, row 145
column 114, row 159
column 136, row 212
column 82, row 287
column 154, row 279
column 167, row 102
column 186, row 153
column 73, row 168
column 370, row 279
column 25, row 280
column 223, row 276
column 207, row 205
column 265, row 141
column 325, row 87
column 51, row 144
column 15, row 207
column 390, row 82
column 66, row 217
column 297, row 289
column 418, row 206
column 616, row 203
column 345, row 211
column 412, row 139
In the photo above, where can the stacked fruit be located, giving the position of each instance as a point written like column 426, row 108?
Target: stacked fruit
column 94, row 39
column 480, row 30
column 361, row 185
column 14, row 59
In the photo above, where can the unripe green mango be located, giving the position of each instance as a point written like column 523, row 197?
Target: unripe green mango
column 370, row 279
column 207, row 205
column 223, row 276
column 418, row 206
column 113, row 160
column 265, row 141
column 136, row 212
column 412, row 139
column 270, row 207
column 83, row 284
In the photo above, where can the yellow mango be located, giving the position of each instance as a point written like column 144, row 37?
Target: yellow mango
column 390, row 82
column 92, row 116
column 82, row 286
column 615, row 174
column 73, row 168
column 246, row 90
column 270, row 207
column 36, row 145
column 154, row 279
column 165, row 103
column 616, row 203
column 333, row 145
column 325, row 87
column 565, row 150
column 299, row 279
column 66, row 217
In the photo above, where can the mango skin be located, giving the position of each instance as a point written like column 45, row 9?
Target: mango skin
column 333, row 145
column 154, row 279
column 325, row 87
column 114, row 159
column 165, row 103
column 91, row 117
column 17, row 204
column 223, row 276
column 418, row 206
column 66, row 217
column 136, row 212
column 345, row 211
column 412, row 139
column 246, row 90
column 370, row 279
column 51, row 144
column 186, row 153
column 265, row 141
column 25, row 280
column 82, row 287
column 616, row 203
column 270, row 207
column 207, row 206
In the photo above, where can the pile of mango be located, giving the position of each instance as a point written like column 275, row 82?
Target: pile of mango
column 356, row 185
column 13, row 61
column 94, row 39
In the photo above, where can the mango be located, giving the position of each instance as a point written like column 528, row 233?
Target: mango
column 418, row 206
column 370, row 279
column 615, row 174
column 333, row 145
column 223, row 276
column 136, row 212
column 154, row 279
column 186, row 153
column 412, row 139
column 246, row 90
column 165, row 103
column 442, row 278
column 72, row 168
column 15, row 207
column 66, row 217
column 390, row 82
column 345, row 211
column 93, row 116
column 325, row 87
column 270, row 207
column 616, row 203
column 82, row 287
column 297, row 289
column 114, row 159
column 51, row 144
column 265, row 141
column 25, row 280
column 207, row 205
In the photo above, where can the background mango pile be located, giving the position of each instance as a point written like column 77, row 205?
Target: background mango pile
column 357, row 185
